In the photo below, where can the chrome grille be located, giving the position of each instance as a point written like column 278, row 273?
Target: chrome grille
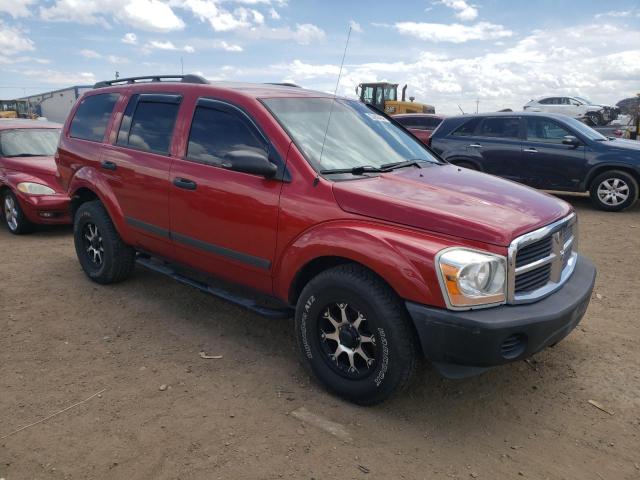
column 541, row 261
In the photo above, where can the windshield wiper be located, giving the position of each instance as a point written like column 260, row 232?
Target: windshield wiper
column 353, row 170
column 408, row 163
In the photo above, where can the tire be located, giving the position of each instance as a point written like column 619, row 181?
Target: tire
column 390, row 343
column 104, row 257
column 613, row 191
column 596, row 118
column 13, row 216
column 467, row 165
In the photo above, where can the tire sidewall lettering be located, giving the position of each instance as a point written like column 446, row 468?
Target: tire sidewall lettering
column 303, row 326
column 384, row 364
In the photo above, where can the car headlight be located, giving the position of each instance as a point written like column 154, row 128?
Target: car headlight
column 471, row 278
column 35, row 189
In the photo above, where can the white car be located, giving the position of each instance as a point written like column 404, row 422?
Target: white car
column 575, row 107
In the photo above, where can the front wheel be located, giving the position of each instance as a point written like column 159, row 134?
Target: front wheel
column 104, row 257
column 14, row 218
column 355, row 335
column 614, row 190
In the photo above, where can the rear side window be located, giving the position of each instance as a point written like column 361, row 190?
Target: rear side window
column 92, row 117
column 500, row 127
column 215, row 133
column 148, row 123
column 467, row 128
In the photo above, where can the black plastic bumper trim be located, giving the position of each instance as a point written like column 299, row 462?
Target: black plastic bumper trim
column 473, row 338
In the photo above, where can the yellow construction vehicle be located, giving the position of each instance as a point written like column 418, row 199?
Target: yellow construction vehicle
column 14, row 109
column 384, row 96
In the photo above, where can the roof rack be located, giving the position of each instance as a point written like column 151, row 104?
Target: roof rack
column 152, row 78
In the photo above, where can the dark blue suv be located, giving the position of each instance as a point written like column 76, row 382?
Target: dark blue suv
column 546, row 151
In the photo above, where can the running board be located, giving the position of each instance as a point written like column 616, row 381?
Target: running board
column 230, row 297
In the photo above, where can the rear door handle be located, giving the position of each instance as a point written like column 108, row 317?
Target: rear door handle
column 185, row 183
column 530, row 150
column 475, row 145
column 107, row 165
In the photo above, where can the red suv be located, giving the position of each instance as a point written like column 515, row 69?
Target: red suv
column 302, row 202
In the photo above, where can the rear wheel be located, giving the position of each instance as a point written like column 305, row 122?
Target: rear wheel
column 614, row 190
column 355, row 335
column 104, row 257
column 14, row 218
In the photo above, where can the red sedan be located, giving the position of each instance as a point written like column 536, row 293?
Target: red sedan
column 29, row 188
column 420, row 124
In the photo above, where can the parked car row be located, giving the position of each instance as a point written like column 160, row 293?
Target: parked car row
column 327, row 210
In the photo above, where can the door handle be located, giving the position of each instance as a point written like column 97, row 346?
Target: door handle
column 107, row 165
column 185, row 183
column 475, row 145
column 530, row 150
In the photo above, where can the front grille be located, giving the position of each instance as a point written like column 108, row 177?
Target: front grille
column 533, row 279
column 541, row 261
column 534, row 252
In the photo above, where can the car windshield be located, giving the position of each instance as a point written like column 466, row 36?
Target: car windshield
column 29, row 142
column 585, row 130
column 583, row 100
column 355, row 135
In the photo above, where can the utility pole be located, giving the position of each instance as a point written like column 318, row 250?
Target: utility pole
column 181, row 66
column 477, row 104
column 117, row 75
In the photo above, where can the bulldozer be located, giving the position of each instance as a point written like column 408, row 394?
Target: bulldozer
column 384, row 97
column 14, row 109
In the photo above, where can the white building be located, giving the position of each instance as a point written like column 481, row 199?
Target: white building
column 55, row 105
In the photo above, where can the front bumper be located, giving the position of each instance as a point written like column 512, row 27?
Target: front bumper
column 46, row 209
column 460, row 343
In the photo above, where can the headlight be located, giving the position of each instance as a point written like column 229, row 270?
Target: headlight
column 35, row 189
column 470, row 278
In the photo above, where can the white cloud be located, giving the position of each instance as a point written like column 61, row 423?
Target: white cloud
column 454, row 32
column 153, row 15
column 189, row 49
column 303, row 34
column 157, row 44
column 227, row 47
column 86, row 53
column 273, row 14
column 221, row 20
column 619, row 14
column 130, row 38
column 355, row 26
column 463, row 10
column 56, row 77
column 13, row 41
column 16, row 8
column 116, row 60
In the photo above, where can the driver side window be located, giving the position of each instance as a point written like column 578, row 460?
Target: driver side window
column 215, row 133
column 543, row 130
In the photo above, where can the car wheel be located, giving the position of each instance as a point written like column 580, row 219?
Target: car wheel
column 104, row 257
column 13, row 216
column 354, row 335
column 614, row 190
column 467, row 165
column 595, row 118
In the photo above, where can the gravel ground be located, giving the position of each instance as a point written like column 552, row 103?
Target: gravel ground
column 63, row 339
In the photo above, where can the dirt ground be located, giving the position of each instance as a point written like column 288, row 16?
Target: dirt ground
column 64, row 339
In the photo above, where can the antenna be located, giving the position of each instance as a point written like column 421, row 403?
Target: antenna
column 461, row 109
column 326, row 130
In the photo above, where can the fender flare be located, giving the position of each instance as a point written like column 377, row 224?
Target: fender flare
column 602, row 167
column 410, row 272
column 90, row 179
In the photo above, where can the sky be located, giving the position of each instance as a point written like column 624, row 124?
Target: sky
column 450, row 53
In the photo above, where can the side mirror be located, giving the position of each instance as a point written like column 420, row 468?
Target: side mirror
column 250, row 161
column 571, row 141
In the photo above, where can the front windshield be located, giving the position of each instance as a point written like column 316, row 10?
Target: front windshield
column 583, row 100
column 585, row 130
column 355, row 137
column 29, row 142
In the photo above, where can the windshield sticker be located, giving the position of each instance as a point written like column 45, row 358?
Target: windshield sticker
column 377, row 118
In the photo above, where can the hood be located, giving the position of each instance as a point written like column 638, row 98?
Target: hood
column 622, row 144
column 45, row 165
column 453, row 201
